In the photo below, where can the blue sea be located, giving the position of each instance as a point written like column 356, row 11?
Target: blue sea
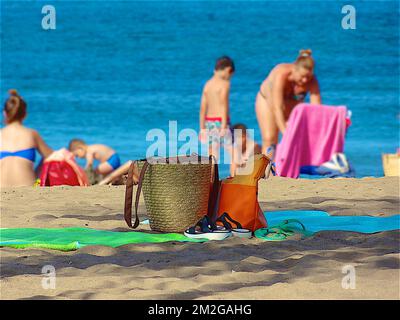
column 113, row 70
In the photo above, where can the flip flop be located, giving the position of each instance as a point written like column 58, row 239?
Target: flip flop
column 204, row 230
column 239, row 231
column 283, row 231
column 272, row 234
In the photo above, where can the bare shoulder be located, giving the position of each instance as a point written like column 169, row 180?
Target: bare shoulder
column 216, row 85
column 226, row 84
column 35, row 135
column 33, row 132
column 207, row 85
column 283, row 69
column 279, row 75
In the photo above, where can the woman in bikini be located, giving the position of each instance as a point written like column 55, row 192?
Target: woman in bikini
column 286, row 86
column 18, row 145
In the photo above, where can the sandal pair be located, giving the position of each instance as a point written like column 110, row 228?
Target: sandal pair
column 206, row 229
column 239, row 231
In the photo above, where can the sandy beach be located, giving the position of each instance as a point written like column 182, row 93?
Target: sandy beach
column 231, row 269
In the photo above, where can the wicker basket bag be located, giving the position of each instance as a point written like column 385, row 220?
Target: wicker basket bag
column 176, row 191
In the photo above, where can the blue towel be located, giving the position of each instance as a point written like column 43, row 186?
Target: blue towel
column 319, row 221
column 322, row 172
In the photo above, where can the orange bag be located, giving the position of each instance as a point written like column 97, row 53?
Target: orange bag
column 238, row 196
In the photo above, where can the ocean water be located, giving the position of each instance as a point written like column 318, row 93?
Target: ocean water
column 113, row 70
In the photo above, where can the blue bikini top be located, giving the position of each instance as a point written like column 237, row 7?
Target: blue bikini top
column 28, row 154
column 300, row 97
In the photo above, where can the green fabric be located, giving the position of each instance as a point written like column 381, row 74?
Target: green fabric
column 67, row 239
column 283, row 231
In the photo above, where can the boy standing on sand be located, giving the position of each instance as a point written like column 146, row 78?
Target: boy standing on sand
column 214, row 108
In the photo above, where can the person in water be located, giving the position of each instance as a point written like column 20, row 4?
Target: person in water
column 244, row 148
column 214, row 107
column 286, row 86
column 108, row 158
column 18, row 145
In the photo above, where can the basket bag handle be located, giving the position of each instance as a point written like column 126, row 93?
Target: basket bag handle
column 214, row 190
column 133, row 169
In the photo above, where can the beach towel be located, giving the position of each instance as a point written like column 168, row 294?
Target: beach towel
column 60, row 168
column 337, row 167
column 297, row 225
column 315, row 221
column 313, row 134
column 68, row 239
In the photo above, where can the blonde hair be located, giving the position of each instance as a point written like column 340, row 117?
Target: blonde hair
column 76, row 144
column 305, row 60
column 14, row 107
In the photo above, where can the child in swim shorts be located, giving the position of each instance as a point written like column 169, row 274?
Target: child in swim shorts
column 108, row 158
column 214, row 108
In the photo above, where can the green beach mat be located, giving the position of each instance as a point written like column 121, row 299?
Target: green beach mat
column 68, row 239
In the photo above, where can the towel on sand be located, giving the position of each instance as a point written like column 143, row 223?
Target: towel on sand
column 315, row 221
column 299, row 225
column 67, row 239
column 313, row 134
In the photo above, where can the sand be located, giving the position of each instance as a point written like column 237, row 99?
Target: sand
column 232, row 269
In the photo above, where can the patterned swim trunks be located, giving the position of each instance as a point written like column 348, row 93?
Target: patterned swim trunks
column 213, row 127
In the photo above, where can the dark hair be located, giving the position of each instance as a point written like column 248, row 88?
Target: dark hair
column 75, row 144
column 241, row 127
column 14, row 107
column 224, row 62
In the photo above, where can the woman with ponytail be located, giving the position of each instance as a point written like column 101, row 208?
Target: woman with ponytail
column 286, row 86
column 18, row 145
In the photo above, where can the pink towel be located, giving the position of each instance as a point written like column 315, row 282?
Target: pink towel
column 313, row 134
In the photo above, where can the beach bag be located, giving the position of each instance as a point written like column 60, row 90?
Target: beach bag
column 176, row 191
column 238, row 195
column 60, row 168
column 391, row 164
